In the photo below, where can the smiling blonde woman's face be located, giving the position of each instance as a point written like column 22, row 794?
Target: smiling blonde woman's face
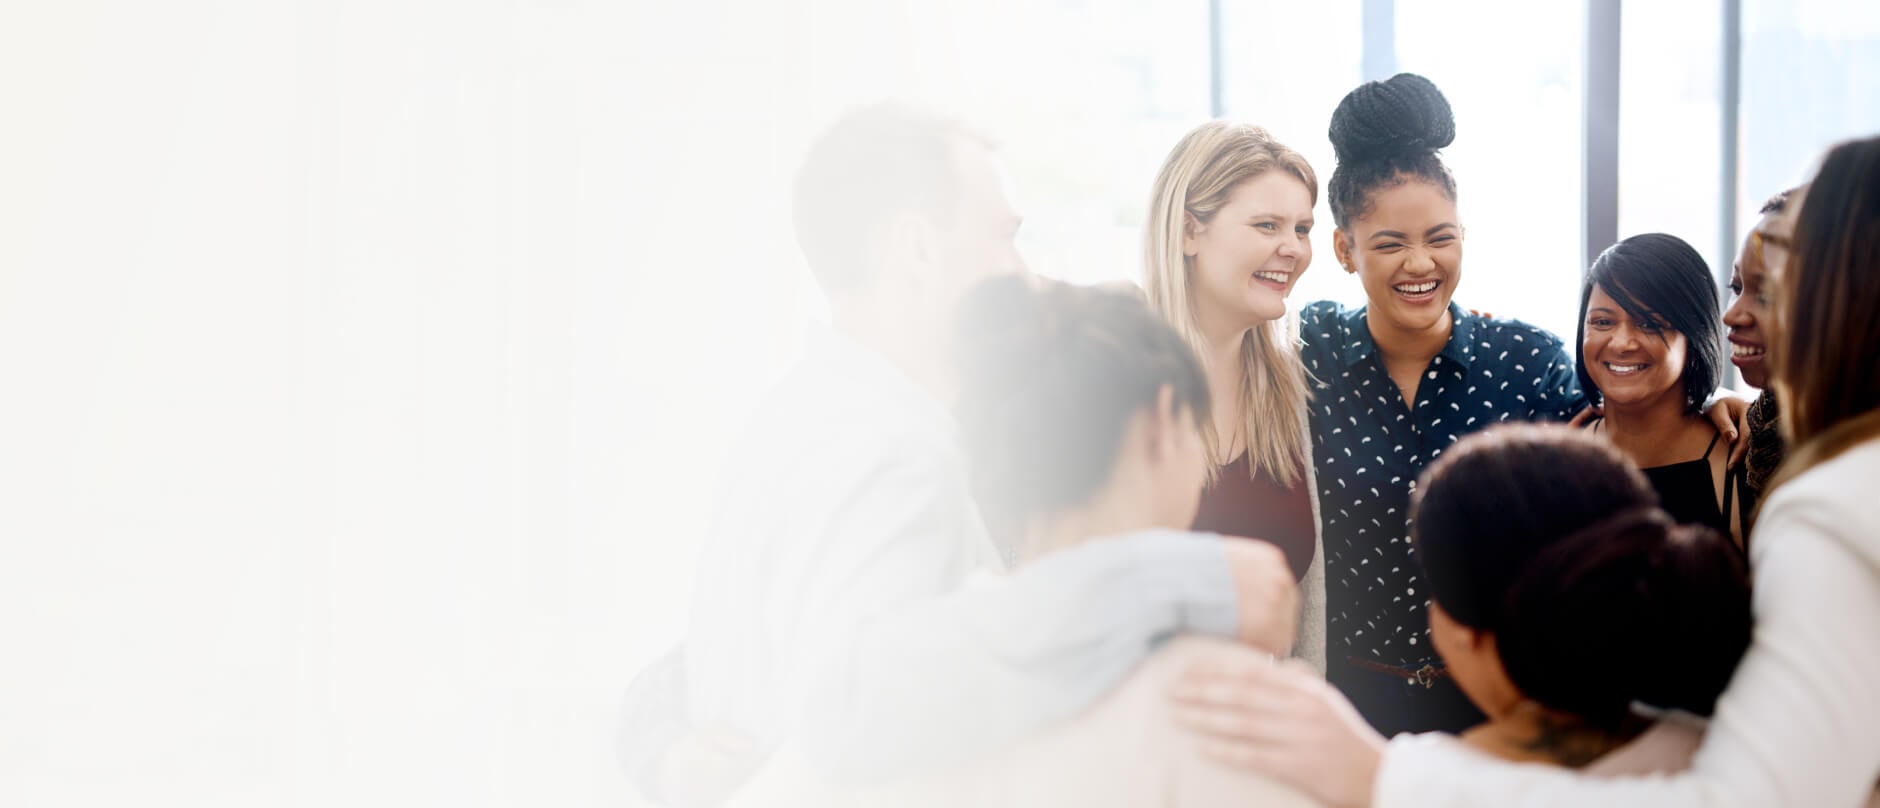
column 1244, row 261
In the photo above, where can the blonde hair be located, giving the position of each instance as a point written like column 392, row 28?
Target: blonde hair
column 1196, row 180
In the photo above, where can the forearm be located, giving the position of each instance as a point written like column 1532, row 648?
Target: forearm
column 986, row 665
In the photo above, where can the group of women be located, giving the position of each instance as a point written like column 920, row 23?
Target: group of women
column 1549, row 592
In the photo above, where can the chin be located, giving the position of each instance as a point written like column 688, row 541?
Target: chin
column 1422, row 319
column 1266, row 309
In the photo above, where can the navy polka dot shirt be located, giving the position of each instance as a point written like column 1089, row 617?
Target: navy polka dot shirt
column 1369, row 448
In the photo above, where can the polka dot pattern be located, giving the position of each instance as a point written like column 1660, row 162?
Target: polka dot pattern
column 1369, row 447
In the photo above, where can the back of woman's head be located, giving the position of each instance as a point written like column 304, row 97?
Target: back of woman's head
column 1051, row 376
column 1827, row 340
column 1549, row 539
column 1658, row 278
column 1386, row 133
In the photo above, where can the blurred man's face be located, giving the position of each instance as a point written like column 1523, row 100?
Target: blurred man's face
column 980, row 239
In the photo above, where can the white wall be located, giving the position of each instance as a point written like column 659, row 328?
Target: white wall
column 363, row 366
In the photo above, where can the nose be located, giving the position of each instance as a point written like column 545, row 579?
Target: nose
column 1625, row 338
column 1420, row 261
column 1738, row 315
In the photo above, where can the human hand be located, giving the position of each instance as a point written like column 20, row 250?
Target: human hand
column 1266, row 595
column 1281, row 720
column 1583, row 417
column 1732, row 418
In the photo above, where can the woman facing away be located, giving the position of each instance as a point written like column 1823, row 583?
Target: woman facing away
column 1796, row 725
column 1543, row 547
column 1080, row 413
column 1650, row 350
column 1227, row 237
column 1398, row 381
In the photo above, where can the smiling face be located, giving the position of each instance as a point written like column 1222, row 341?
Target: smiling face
column 1245, row 259
column 1751, row 281
column 1633, row 361
column 1407, row 250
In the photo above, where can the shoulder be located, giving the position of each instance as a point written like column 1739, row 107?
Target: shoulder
column 1328, row 314
column 1834, row 500
column 1504, row 332
column 1325, row 327
column 1667, row 746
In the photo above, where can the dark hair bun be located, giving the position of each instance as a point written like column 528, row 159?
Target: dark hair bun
column 1381, row 119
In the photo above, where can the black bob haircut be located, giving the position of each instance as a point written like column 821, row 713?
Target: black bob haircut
column 1658, row 278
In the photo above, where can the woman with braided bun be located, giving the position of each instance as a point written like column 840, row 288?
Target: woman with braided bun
column 1395, row 383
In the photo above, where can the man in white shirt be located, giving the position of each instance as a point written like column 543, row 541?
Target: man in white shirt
column 827, row 610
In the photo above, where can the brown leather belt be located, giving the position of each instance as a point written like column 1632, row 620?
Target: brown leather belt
column 1425, row 676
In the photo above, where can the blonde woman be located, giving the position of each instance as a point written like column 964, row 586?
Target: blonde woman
column 1228, row 234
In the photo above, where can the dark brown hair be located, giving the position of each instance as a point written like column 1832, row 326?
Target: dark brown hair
column 1051, row 375
column 1386, row 133
column 1552, row 541
column 1827, row 340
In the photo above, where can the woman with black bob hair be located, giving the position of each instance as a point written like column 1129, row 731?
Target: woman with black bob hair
column 1650, row 351
column 1560, row 596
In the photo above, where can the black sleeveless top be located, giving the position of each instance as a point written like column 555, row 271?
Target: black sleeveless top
column 1685, row 491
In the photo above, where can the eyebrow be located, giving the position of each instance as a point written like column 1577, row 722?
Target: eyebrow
column 1426, row 234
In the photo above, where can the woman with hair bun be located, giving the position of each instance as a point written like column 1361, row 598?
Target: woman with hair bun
column 1080, row 412
column 1544, row 548
column 1398, row 381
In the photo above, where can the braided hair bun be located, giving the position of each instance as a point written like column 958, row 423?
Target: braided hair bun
column 1380, row 119
column 1385, row 132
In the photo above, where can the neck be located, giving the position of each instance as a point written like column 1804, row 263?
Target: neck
column 1106, row 515
column 1532, row 733
column 1410, row 346
column 905, row 344
column 1642, row 430
column 1227, row 382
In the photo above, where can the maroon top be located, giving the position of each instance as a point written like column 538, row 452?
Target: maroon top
column 1241, row 503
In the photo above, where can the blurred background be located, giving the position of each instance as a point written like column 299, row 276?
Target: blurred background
column 367, row 363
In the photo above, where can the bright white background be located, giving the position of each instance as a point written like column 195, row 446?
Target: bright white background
column 365, row 362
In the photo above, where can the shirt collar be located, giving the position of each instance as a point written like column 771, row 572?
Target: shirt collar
column 1460, row 349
